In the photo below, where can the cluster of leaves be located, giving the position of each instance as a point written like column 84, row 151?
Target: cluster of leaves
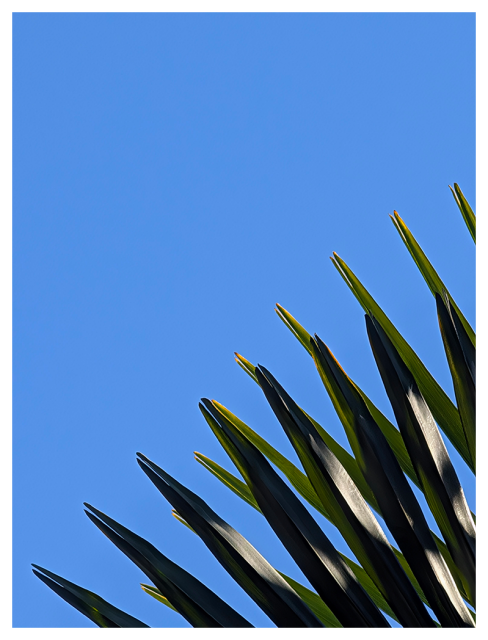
column 347, row 489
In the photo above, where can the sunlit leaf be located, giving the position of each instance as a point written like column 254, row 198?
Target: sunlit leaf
column 348, row 509
column 467, row 212
column 398, row 505
column 443, row 410
column 433, row 281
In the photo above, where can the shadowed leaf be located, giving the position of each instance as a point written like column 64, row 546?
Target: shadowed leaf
column 246, row 565
column 98, row 610
column 305, row 541
column 399, row 507
column 241, row 489
column 346, row 505
column 442, row 490
column 296, row 477
column 461, row 357
column 192, row 599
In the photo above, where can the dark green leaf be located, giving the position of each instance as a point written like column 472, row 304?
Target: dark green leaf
column 246, row 565
column 342, row 408
column 391, row 433
column 234, row 484
column 399, row 507
column 305, row 488
column 311, row 599
column 442, row 489
column 462, row 363
column 192, row 599
column 294, row 475
column 314, row 603
column 345, row 504
column 305, row 541
column 242, row 490
column 98, row 610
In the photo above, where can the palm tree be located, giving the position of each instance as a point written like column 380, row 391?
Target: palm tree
column 424, row 581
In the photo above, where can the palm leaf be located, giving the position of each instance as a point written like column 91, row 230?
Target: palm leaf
column 241, row 489
column 299, row 480
column 442, row 489
column 246, row 565
column 399, row 507
column 344, row 502
column 98, row 610
column 461, row 357
column 391, row 433
column 234, row 484
column 296, row 477
column 465, row 209
column 192, row 599
column 305, row 541
column 433, row 281
column 443, row 410
column 303, row 486
column 157, row 595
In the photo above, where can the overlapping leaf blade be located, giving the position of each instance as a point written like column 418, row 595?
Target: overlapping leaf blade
column 314, row 602
column 336, row 377
column 442, row 489
column 465, row 209
column 228, row 479
column 192, row 599
column 443, row 410
column 311, row 599
column 391, row 433
column 348, row 508
column 242, row 561
column 296, row 477
column 461, row 357
column 300, row 534
column 433, row 281
column 98, row 610
column 398, row 505
column 302, row 484
column 241, row 489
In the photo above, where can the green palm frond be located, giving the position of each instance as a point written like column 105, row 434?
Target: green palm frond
column 419, row 580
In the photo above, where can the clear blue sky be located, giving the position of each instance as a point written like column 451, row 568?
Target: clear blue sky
column 176, row 175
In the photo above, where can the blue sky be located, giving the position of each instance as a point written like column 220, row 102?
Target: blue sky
column 176, row 175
